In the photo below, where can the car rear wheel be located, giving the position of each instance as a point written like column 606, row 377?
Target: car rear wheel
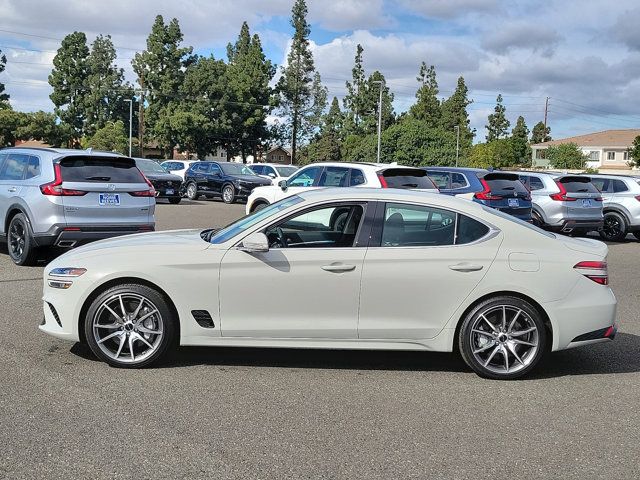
column 130, row 326
column 20, row 241
column 536, row 219
column 259, row 206
column 614, row 228
column 228, row 194
column 192, row 191
column 174, row 201
column 637, row 235
column 503, row 338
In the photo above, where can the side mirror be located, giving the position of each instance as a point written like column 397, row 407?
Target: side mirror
column 283, row 185
column 256, row 242
column 271, row 175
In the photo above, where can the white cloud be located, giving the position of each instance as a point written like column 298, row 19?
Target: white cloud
column 449, row 8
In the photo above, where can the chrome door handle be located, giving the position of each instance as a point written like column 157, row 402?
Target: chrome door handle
column 465, row 267
column 338, row 268
column 13, row 189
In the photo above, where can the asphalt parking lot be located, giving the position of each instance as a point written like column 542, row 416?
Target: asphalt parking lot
column 260, row 413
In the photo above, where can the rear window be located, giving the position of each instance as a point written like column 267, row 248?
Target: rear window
column 408, row 178
column 100, row 169
column 501, row 183
column 578, row 185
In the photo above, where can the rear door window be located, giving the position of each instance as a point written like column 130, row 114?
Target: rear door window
column 535, row 183
column 619, row 186
column 417, row 226
column 215, row 169
column 469, row 230
column 33, row 167
column 458, row 180
column 100, row 169
column 408, row 178
column 357, row 177
column 441, row 179
column 258, row 169
column 14, row 166
column 578, row 185
column 602, row 184
column 334, row 177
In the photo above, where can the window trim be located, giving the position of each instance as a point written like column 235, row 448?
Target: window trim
column 363, row 235
column 376, row 231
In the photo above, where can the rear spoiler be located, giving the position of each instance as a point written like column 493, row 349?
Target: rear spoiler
column 573, row 178
column 498, row 176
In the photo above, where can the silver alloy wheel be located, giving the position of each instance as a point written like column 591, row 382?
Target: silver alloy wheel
column 192, row 191
column 504, row 339
column 227, row 194
column 17, row 235
column 128, row 327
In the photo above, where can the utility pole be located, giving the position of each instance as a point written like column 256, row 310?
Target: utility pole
column 379, row 116
column 546, row 110
column 130, row 101
column 457, row 128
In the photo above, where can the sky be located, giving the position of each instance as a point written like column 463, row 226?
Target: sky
column 582, row 54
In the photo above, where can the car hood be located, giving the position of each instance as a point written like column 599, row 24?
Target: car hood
column 253, row 179
column 586, row 245
column 164, row 177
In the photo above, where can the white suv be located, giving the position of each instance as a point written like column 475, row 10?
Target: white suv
column 357, row 174
column 177, row 167
column 273, row 171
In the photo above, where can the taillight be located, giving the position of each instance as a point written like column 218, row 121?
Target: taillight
column 55, row 188
column 637, row 197
column 593, row 270
column 151, row 192
column 486, row 194
column 561, row 196
column 599, row 199
column 383, row 182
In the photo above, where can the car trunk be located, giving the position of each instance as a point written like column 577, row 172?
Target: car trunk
column 511, row 196
column 586, row 199
column 109, row 183
column 406, row 178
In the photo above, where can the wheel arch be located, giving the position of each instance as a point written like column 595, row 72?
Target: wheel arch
column 619, row 211
column 545, row 316
column 12, row 211
column 257, row 202
column 119, row 281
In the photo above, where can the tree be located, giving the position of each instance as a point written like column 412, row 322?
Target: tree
column 371, row 101
column 566, row 156
column 10, row 122
column 326, row 147
column 106, row 88
column 4, row 97
column 427, row 107
column 110, row 138
column 44, row 126
column 354, row 100
column 634, row 152
column 454, row 113
column 539, row 134
column 69, row 79
column 497, row 125
column 520, row 142
column 161, row 72
column 248, row 94
column 295, row 84
column 496, row 153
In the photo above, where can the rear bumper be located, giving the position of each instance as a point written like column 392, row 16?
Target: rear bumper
column 69, row 236
column 570, row 225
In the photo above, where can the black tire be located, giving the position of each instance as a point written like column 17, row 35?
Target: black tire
column 536, row 219
column 503, row 341
column 174, row 200
column 637, row 235
column 20, row 242
column 192, row 191
column 614, row 228
column 166, row 342
column 258, row 206
column 228, row 193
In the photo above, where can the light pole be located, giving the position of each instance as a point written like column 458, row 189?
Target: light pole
column 457, row 128
column 381, row 83
column 130, row 121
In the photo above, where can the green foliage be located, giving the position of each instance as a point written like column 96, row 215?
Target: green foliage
column 10, row 121
column 354, row 100
column 4, row 97
column 454, row 113
column 497, row 125
column 326, row 147
column 110, row 138
column 295, row 84
column 427, row 107
column 161, row 72
column 539, row 134
column 520, row 142
column 43, row 126
column 634, row 152
column 497, row 154
column 69, row 80
column 566, row 156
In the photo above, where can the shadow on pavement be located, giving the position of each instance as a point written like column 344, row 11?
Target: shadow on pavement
column 620, row 356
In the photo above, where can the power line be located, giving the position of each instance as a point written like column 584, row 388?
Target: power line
column 59, row 39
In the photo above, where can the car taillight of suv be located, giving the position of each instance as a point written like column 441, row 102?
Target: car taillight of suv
column 55, row 189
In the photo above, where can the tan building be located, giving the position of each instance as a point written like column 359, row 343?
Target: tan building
column 277, row 155
column 607, row 149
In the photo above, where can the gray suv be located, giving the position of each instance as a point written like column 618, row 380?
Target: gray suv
column 621, row 196
column 564, row 203
column 64, row 198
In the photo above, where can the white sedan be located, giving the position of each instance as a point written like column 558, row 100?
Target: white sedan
column 340, row 268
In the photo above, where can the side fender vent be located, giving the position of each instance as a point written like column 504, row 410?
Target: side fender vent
column 203, row 318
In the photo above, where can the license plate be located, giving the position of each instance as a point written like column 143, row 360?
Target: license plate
column 513, row 202
column 107, row 199
column 586, row 202
column 169, row 191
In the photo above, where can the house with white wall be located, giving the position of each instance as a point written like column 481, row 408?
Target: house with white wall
column 606, row 150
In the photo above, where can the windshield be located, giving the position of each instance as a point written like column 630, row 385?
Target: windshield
column 244, row 223
column 149, row 166
column 506, row 216
column 286, row 171
column 236, row 169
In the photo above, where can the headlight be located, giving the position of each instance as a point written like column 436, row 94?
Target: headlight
column 67, row 272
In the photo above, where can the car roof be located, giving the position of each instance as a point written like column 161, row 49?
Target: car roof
column 63, row 151
column 460, row 169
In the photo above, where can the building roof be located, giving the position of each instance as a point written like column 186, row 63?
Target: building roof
column 607, row 138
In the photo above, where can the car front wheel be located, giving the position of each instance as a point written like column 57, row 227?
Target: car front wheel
column 228, row 194
column 614, row 228
column 130, row 326
column 502, row 338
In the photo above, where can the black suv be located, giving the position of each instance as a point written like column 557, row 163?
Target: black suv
column 231, row 181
